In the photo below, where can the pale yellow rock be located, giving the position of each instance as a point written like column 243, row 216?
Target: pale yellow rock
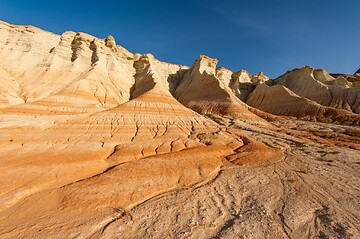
column 241, row 84
column 323, row 76
column 97, row 142
column 319, row 86
column 48, row 70
column 259, row 78
column 201, row 90
column 165, row 74
column 279, row 100
column 224, row 75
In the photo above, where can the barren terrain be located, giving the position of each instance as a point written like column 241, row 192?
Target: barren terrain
column 98, row 142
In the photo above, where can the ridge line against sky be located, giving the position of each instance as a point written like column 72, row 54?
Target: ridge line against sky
column 269, row 36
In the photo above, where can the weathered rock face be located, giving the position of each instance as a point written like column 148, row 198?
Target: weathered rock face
column 322, row 76
column 224, row 75
column 136, row 118
column 319, row 86
column 166, row 75
column 302, row 82
column 279, row 100
column 241, row 84
column 203, row 91
column 348, row 80
column 142, row 137
column 46, row 71
column 97, row 142
column 309, row 94
column 259, row 78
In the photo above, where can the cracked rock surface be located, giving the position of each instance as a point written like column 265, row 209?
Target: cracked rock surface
column 98, row 142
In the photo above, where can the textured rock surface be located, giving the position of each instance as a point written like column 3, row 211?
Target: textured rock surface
column 279, row 100
column 322, row 88
column 201, row 90
column 46, row 71
column 241, row 82
column 97, row 142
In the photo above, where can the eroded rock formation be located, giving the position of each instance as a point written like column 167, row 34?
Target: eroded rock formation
column 279, row 100
column 201, row 90
column 99, row 142
column 319, row 86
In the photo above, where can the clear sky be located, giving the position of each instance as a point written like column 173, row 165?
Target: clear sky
column 257, row 35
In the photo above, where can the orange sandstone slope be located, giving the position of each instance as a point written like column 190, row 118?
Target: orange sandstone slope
column 90, row 133
column 146, row 143
column 203, row 91
column 152, row 123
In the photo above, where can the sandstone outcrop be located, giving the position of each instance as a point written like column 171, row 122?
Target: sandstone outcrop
column 166, row 75
column 241, row 84
column 98, row 142
column 116, row 109
column 319, row 86
column 46, row 71
column 201, row 90
column 279, row 100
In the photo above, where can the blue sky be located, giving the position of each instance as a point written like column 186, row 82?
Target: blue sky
column 257, row 35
